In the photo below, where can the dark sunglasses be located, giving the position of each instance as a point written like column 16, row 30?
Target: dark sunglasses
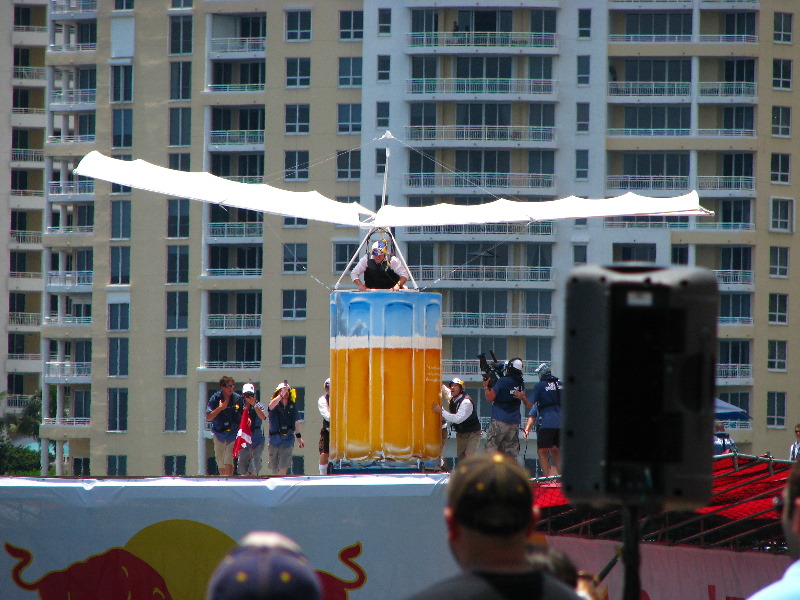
column 228, row 386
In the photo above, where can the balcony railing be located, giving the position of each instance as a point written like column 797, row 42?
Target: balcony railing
column 26, row 155
column 70, row 230
column 71, row 139
column 537, row 228
column 682, row 39
column 654, row 223
column 245, row 178
column 68, row 421
column 481, row 273
column 238, row 45
column 236, row 87
column 30, row 28
column 25, row 274
column 482, row 38
column 18, row 400
column 25, row 319
column 73, row 96
column 234, row 272
column 734, row 371
column 70, row 188
column 30, row 73
column 641, row 132
column 512, row 133
column 66, row 320
column 27, row 237
column 647, row 182
column 731, row 277
column 734, row 321
column 87, row 47
column 725, row 182
column 649, row 88
column 22, row 356
column 466, row 366
column 749, row 132
column 233, row 321
column 70, row 278
column 236, row 137
column 67, row 6
column 27, row 110
column 236, row 230
column 727, row 89
column 67, row 369
column 722, row 226
column 27, row 193
column 468, row 85
column 232, row 364
column 481, row 180
column 467, row 320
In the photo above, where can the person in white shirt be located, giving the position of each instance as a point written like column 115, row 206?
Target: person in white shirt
column 464, row 419
column 325, row 433
column 794, row 449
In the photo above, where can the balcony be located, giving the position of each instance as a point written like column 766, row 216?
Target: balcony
column 26, row 237
column 25, row 274
column 70, row 230
column 682, row 39
column 734, row 277
column 734, row 374
column 71, row 139
column 236, row 231
column 481, row 273
column 533, row 228
column 73, row 47
column 66, row 320
column 19, row 319
column 70, row 280
column 722, row 226
column 61, row 7
column 734, row 321
column 73, row 99
column 247, row 272
column 650, row 88
column 27, row 155
column 18, row 400
column 727, row 89
column 245, row 178
column 230, row 323
column 30, row 73
column 480, row 133
column 465, row 85
column 71, row 191
column 24, row 357
column 236, row 87
column 495, row 321
column 67, row 421
column 647, row 182
column 233, row 364
column 236, row 138
column 479, row 180
column 238, row 47
column 68, row 370
column 639, row 132
column 727, row 133
column 726, row 183
column 647, row 223
column 481, row 39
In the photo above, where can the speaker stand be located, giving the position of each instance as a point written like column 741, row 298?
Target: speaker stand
column 630, row 552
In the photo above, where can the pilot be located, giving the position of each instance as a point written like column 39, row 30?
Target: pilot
column 380, row 271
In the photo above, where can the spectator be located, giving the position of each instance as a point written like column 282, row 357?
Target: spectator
column 464, row 419
column 505, row 397
column 224, row 410
column 794, row 449
column 489, row 515
column 324, row 405
column 250, row 455
column 284, row 427
column 723, row 444
column 788, row 503
column 265, row 565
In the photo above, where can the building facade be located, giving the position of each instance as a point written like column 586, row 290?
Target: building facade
column 148, row 300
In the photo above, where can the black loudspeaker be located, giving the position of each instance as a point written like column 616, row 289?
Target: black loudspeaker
column 638, row 400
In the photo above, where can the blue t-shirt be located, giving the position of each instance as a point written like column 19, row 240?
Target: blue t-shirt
column 505, row 407
column 281, row 424
column 547, row 403
column 225, row 425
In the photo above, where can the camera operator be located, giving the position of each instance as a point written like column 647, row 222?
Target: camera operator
column 506, row 397
column 545, row 419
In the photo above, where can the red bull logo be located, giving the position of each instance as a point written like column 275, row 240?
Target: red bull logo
column 335, row 588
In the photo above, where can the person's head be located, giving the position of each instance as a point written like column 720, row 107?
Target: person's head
column 543, row 370
column 514, row 366
column 456, row 386
column 328, row 384
column 379, row 251
column 719, row 427
column 264, row 566
column 797, row 431
column 248, row 390
column 555, row 563
column 790, row 513
column 282, row 390
column 226, row 383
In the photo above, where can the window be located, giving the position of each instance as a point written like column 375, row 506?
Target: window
column 295, row 222
column 180, row 126
column 782, row 28
column 121, row 83
column 115, row 187
column 295, row 258
column 734, row 309
column 348, row 165
column 123, row 5
column 182, row 3
column 120, row 265
column 782, row 73
column 177, row 310
column 178, row 218
column 778, row 309
column 180, row 81
column 178, row 264
column 342, row 253
column 582, row 113
column 350, row 71
column 584, row 65
column 380, row 160
column 120, row 219
column 349, row 118
column 118, row 357
column 776, row 409
column 174, row 466
column 294, row 304
column 80, row 466
column 679, row 254
column 584, row 22
column 117, row 465
column 781, row 121
column 739, row 399
column 295, row 164
column 298, row 117
column 298, row 72
column 581, row 164
column 384, row 21
column 298, row 25
column 175, row 409
column 293, row 351
column 381, row 114
column 179, row 161
column 580, row 254
column 117, row 409
column 351, row 24
column 776, row 355
column 778, row 261
column 781, row 215
column 180, row 35
column 122, row 128
column 177, row 359
column 119, row 316
column 384, row 67
column 634, row 252
column 779, row 167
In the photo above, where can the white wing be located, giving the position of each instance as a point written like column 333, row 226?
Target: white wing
column 313, row 205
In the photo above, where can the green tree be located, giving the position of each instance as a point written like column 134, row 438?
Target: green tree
column 18, row 461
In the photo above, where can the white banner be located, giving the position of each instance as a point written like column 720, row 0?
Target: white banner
column 377, row 537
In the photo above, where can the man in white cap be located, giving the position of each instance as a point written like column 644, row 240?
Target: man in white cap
column 505, row 397
column 380, row 271
column 250, row 454
column 464, row 419
column 324, row 405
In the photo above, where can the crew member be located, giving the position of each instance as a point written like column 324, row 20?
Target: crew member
column 284, row 427
column 464, row 419
column 224, row 410
column 380, row 271
column 324, row 405
column 506, row 397
column 250, row 455
column 546, row 415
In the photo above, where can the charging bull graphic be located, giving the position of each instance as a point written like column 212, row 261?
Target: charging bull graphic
column 335, row 588
column 114, row 574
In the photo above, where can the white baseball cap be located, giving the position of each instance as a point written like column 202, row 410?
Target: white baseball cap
column 249, row 388
column 516, row 364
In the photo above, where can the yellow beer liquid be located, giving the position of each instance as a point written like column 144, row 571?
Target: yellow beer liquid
column 381, row 402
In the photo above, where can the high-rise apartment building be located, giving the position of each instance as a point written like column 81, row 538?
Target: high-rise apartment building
column 148, row 300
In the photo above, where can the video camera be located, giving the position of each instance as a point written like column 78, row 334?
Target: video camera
column 491, row 372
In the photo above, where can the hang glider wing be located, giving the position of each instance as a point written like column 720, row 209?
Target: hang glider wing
column 313, row 205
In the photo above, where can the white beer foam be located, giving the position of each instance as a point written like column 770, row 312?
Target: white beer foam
column 413, row 342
